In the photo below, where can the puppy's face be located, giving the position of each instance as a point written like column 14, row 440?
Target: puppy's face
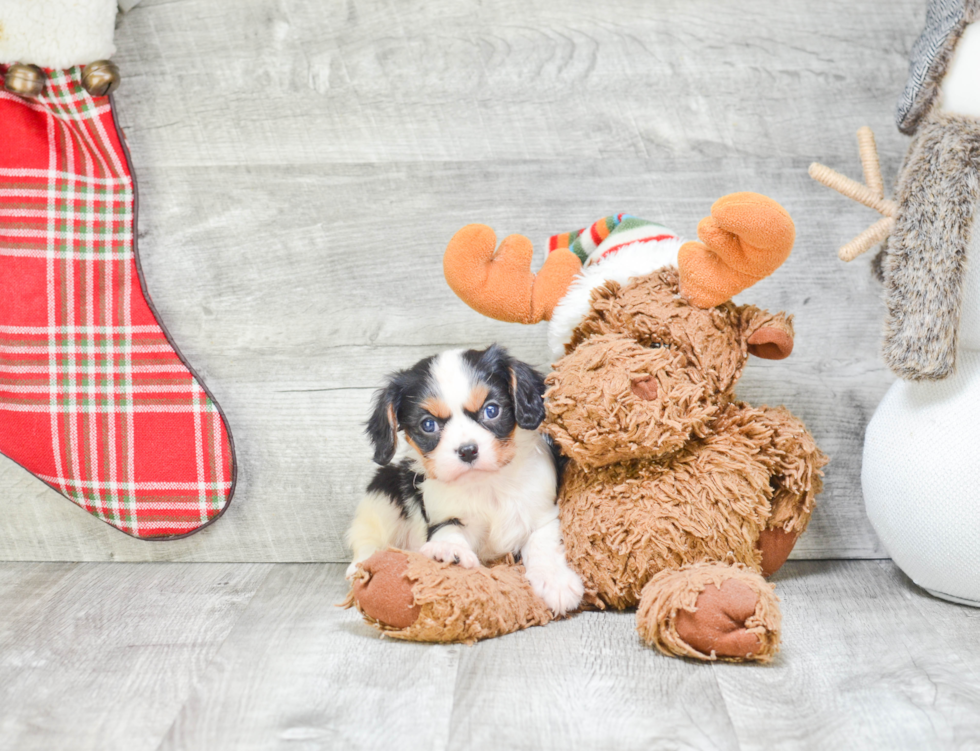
column 458, row 410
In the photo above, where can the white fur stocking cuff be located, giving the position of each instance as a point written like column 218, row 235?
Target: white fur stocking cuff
column 56, row 33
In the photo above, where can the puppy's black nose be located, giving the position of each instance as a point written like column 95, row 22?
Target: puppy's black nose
column 468, row 453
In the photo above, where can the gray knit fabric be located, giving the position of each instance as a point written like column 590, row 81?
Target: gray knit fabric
column 928, row 60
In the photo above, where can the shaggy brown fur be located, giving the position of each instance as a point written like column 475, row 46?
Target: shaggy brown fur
column 626, row 522
column 647, row 329
column 923, row 268
column 674, row 591
column 455, row 604
column 689, row 476
column 667, row 490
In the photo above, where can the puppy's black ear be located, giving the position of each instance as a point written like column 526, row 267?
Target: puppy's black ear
column 527, row 390
column 382, row 425
column 526, row 384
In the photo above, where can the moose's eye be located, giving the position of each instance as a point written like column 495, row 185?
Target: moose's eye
column 429, row 425
column 491, row 411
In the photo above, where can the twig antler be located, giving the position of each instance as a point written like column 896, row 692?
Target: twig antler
column 871, row 194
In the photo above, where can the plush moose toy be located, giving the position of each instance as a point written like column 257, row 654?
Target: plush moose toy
column 677, row 499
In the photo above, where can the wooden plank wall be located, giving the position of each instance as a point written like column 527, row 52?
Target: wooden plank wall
column 303, row 163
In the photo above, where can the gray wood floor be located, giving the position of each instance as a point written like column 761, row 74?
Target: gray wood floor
column 302, row 164
column 138, row 657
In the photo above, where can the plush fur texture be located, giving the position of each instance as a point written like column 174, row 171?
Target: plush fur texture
column 670, row 486
column 451, row 604
column 648, row 331
column 711, row 463
column 923, row 266
column 634, row 260
column 55, row 33
column 709, row 502
column 676, row 591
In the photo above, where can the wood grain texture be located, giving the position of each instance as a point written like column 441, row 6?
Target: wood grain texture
column 585, row 683
column 297, row 672
column 869, row 661
column 98, row 656
column 185, row 657
column 303, row 164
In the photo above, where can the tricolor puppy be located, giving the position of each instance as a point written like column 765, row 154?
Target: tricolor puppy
column 473, row 479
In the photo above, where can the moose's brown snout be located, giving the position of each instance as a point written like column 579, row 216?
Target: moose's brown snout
column 605, row 406
column 645, row 388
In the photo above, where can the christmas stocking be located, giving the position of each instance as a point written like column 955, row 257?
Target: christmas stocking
column 95, row 399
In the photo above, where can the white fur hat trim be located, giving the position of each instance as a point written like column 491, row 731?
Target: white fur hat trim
column 638, row 259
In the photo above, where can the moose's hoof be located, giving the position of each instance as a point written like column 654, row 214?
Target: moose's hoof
column 775, row 545
column 718, row 624
column 385, row 594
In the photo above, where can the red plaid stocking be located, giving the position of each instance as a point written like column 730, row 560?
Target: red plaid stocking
column 95, row 400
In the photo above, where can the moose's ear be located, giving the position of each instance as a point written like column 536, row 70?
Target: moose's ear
column 767, row 335
column 382, row 425
column 771, row 343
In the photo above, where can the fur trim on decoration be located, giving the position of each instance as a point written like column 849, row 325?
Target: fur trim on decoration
column 56, row 34
column 930, row 58
column 638, row 259
column 938, row 191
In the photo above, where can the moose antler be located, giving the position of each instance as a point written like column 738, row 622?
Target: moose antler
column 746, row 238
column 501, row 285
column 871, row 194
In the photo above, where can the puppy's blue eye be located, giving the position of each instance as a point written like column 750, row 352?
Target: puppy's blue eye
column 429, row 425
column 491, row 411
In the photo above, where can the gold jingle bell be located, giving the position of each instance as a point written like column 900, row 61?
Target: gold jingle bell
column 24, row 80
column 100, row 78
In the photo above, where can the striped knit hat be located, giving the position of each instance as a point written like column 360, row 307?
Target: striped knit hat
column 615, row 248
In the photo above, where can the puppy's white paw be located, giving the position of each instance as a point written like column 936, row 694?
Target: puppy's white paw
column 351, row 570
column 559, row 587
column 450, row 552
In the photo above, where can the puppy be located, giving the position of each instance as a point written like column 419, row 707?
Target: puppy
column 473, row 480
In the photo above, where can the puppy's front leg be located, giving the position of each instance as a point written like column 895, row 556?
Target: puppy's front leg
column 447, row 543
column 377, row 524
column 548, row 571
